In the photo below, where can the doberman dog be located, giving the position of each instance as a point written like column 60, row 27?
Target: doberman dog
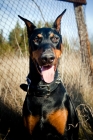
column 48, row 112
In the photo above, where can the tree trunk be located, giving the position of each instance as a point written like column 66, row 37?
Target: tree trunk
column 86, row 60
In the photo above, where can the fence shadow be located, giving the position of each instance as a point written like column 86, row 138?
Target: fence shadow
column 11, row 124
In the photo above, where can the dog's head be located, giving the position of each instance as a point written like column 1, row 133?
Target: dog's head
column 45, row 46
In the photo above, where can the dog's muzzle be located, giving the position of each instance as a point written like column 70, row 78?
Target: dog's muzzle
column 47, row 56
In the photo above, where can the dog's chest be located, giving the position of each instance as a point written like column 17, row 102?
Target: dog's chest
column 46, row 114
column 41, row 105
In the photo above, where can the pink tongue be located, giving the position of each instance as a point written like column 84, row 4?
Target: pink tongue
column 48, row 74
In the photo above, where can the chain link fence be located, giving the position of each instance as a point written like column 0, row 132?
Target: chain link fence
column 14, row 57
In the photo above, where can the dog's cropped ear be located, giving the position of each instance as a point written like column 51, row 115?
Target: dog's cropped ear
column 57, row 23
column 30, row 26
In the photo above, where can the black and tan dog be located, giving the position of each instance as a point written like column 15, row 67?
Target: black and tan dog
column 48, row 112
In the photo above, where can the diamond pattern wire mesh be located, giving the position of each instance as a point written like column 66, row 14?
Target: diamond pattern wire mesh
column 14, row 63
column 14, row 57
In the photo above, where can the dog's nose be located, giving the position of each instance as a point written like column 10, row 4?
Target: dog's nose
column 46, row 58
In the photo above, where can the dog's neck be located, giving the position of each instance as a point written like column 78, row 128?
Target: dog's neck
column 34, row 76
column 37, row 86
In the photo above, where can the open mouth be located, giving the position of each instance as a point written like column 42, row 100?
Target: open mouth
column 47, row 72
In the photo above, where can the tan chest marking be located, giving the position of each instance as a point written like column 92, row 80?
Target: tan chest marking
column 30, row 122
column 58, row 119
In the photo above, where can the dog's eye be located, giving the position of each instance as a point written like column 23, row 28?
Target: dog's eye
column 55, row 39
column 37, row 40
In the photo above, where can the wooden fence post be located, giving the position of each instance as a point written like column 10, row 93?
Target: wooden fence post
column 86, row 61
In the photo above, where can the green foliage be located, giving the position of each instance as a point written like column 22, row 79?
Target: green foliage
column 15, row 34
column 1, row 37
column 4, row 46
column 18, row 38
